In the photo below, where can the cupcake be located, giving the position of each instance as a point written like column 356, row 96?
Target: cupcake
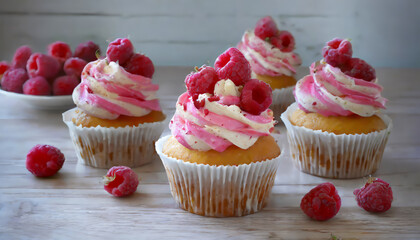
column 336, row 128
column 270, row 53
column 221, row 160
column 118, row 117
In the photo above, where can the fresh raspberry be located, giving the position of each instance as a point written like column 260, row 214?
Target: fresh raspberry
column 284, row 41
column 141, row 65
column 375, row 196
column 59, row 50
column 265, row 28
column 21, row 57
column 233, row 65
column 37, row 86
column 358, row 68
column 42, row 65
column 197, row 103
column 44, row 160
column 256, row 96
column 4, row 66
column 337, row 52
column 13, row 80
column 322, row 202
column 121, row 181
column 87, row 51
column 74, row 66
column 120, row 50
column 64, row 85
column 202, row 80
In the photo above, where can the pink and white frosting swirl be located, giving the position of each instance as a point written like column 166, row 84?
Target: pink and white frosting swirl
column 330, row 92
column 218, row 124
column 265, row 59
column 108, row 91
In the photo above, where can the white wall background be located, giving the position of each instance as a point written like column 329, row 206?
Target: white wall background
column 386, row 33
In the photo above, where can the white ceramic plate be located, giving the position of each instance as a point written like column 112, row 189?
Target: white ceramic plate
column 42, row 102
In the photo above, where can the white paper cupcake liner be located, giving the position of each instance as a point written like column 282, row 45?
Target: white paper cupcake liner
column 335, row 156
column 104, row 147
column 219, row 191
column 282, row 98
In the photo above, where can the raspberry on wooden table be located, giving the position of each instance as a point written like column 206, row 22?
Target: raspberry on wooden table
column 322, row 202
column 60, row 51
column 140, row 64
column 233, row 65
column 44, row 160
column 13, row 80
column 74, row 66
column 120, row 50
column 64, row 85
column 121, row 181
column 87, row 51
column 21, row 56
column 42, row 65
column 265, row 28
column 37, row 86
column 202, row 80
column 256, row 96
column 375, row 196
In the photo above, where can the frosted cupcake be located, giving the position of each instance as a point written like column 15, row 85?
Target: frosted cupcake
column 336, row 128
column 221, row 160
column 118, row 117
column 270, row 53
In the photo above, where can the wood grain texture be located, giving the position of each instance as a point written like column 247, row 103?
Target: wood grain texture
column 73, row 204
column 189, row 32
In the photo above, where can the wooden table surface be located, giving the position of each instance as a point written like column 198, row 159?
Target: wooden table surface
column 74, row 205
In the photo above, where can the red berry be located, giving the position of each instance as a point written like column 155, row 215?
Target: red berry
column 197, row 103
column 265, row 28
column 44, row 160
column 375, row 196
column 37, row 86
column 322, row 202
column 87, row 51
column 141, row 65
column 201, row 81
column 13, row 80
column 21, row 57
column 120, row 50
column 64, row 85
column 233, row 65
column 337, row 52
column 284, row 41
column 121, row 181
column 4, row 66
column 74, row 66
column 256, row 96
column 59, row 50
column 42, row 65
column 358, row 68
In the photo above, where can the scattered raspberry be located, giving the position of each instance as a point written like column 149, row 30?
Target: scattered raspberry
column 265, row 28
column 256, row 96
column 202, row 80
column 21, row 57
column 141, row 65
column 197, row 103
column 44, row 160
column 4, row 66
column 59, row 50
column 87, row 51
column 284, row 41
column 74, row 66
column 42, row 65
column 375, row 196
column 37, row 86
column 121, row 181
column 233, row 65
column 13, row 80
column 358, row 68
column 64, row 85
column 322, row 202
column 337, row 52
column 120, row 50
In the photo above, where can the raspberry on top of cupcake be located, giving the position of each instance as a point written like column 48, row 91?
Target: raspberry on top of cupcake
column 223, row 106
column 269, row 50
column 118, row 85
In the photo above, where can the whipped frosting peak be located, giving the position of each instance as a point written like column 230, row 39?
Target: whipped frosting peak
column 107, row 91
column 265, row 59
column 330, row 92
